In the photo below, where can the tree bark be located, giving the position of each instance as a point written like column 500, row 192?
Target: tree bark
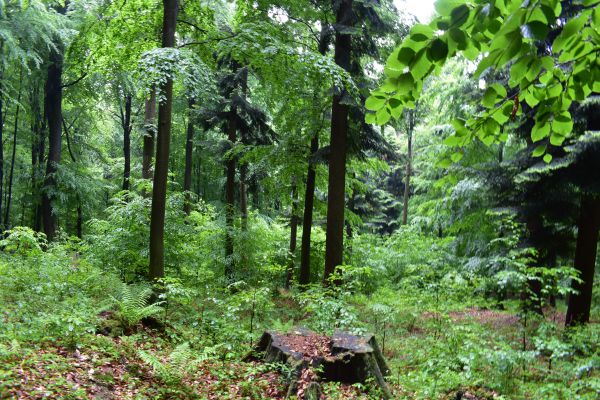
column 1, row 144
column 309, row 199
column 161, row 168
column 150, row 129
column 244, row 196
column 14, row 153
column 79, row 220
column 408, row 168
column 293, row 234
column 230, row 197
column 126, row 124
column 578, row 311
column 37, row 152
column 189, row 153
column 334, row 242
column 53, row 110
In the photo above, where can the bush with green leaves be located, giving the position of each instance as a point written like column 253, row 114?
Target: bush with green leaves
column 49, row 295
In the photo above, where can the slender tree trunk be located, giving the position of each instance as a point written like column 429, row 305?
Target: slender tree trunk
column 14, row 153
column 79, row 220
column 244, row 165
column 309, row 199
column 230, row 198
column 161, row 168
column 334, row 242
column 126, row 124
column 532, row 298
column 578, row 311
column 409, row 156
column 244, row 196
column 1, row 143
column 149, row 131
column 189, row 149
column 293, row 234
column 53, row 106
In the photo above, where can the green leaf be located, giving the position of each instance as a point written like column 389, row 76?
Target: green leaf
column 421, row 66
column 370, row 118
column 452, row 141
column 539, row 150
column 374, row 103
column 445, row 7
column 421, row 32
column 456, row 157
column 406, row 82
column 382, row 116
column 438, row 50
column 547, row 158
column 540, row 131
column 563, row 123
column 459, row 37
column 444, row 163
column 570, row 33
column 459, row 15
column 556, row 139
column 405, row 55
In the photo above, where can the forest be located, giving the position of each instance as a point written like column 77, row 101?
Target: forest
column 299, row 199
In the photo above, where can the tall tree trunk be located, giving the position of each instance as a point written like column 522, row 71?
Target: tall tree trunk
column 578, row 311
column 37, row 151
column 189, row 153
column 293, row 234
column 230, row 197
column 309, row 200
column 161, row 168
column 14, row 153
column 244, row 196
column 244, row 165
column 1, row 141
column 126, row 124
column 408, row 173
column 334, row 242
column 149, row 131
column 53, row 107
column 79, row 220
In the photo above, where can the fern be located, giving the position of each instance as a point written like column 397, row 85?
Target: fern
column 132, row 304
column 180, row 362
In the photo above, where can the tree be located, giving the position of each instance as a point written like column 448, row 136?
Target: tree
column 53, row 110
column 189, row 149
column 163, row 138
column 334, row 247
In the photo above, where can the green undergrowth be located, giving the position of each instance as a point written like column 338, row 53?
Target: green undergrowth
column 72, row 328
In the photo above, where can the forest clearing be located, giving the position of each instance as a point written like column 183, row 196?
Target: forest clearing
column 299, row 199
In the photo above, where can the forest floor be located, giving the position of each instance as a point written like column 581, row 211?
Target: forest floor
column 143, row 366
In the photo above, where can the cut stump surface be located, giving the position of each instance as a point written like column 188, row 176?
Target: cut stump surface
column 342, row 358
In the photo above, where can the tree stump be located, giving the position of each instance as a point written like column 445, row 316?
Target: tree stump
column 312, row 357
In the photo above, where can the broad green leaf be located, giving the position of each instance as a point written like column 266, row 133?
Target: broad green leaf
column 459, row 15
column 570, row 33
column 556, row 139
column 374, row 103
column 438, row 50
column 547, row 158
column 456, row 157
column 540, row 131
column 563, row 123
column 370, row 118
column 445, row 7
column 539, row 150
column 382, row 116
column 421, row 32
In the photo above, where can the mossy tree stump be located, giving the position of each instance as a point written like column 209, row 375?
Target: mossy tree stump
column 311, row 357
